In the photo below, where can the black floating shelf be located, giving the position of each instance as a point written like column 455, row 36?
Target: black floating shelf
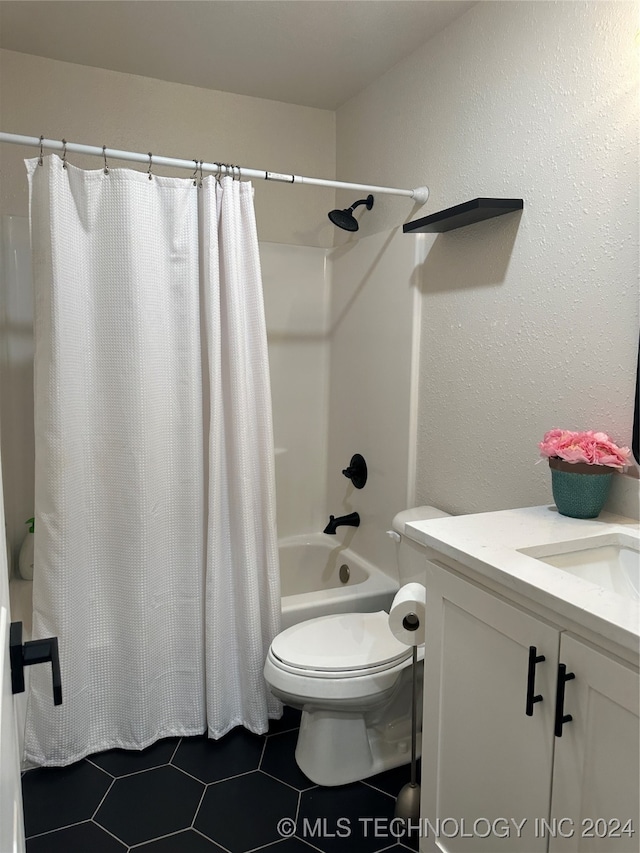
column 463, row 214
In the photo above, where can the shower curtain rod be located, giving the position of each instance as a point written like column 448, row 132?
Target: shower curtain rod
column 419, row 195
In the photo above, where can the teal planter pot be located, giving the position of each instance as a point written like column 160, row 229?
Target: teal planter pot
column 579, row 490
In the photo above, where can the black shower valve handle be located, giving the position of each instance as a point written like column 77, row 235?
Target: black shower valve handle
column 356, row 471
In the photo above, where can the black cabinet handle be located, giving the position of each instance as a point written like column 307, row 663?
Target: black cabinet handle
column 35, row 651
column 534, row 658
column 561, row 717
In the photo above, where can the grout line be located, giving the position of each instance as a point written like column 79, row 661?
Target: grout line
column 173, row 755
column 303, row 840
column 298, row 809
column 189, row 775
column 139, row 772
column 283, row 732
column 379, row 790
column 139, row 844
column 195, row 814
column 104, row 829
column 97, row 766
column 217, row 843
column 95, row 812
column 264, row 746
column 226, row 778
column 288, row 784
column 101, row 769
column 308, row 843
column 57, row 829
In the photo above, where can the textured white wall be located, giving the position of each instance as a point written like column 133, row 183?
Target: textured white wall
column 528, row 322
column 98, row 107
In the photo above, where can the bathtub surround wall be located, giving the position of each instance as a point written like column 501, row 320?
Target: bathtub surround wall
column 296, row 295
column 529, row 321
column 16, row 377
column 372, row 384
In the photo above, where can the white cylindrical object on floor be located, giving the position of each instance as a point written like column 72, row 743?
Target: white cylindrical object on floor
column 408, row 603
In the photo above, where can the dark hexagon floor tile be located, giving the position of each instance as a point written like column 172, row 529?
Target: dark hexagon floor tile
column 59, row 796
column 213, row 760
column 391, row 781
column 243, row 813
column 187, row 841
column 150, row 804
column 121, row 762
column 76, row 839
column 279, row 760
column 290, row 720
column 342, row 819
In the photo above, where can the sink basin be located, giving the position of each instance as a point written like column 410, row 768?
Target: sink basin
column 611, row 561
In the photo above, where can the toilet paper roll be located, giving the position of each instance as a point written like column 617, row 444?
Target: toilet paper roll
column 407, row 614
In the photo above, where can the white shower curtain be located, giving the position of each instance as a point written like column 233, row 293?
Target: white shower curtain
column 155, row 540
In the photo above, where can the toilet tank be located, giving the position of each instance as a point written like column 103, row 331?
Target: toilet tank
column 411, row 554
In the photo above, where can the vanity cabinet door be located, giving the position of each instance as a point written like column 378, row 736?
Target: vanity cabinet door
column 485, row 762
column 597, row 758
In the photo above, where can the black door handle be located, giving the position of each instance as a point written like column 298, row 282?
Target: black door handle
column 561, row 717
column 35, row 651
column 534, row 658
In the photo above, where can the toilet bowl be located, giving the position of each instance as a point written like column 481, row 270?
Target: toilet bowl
column 352, row 679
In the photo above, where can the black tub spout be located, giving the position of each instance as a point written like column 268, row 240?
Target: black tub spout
column 351, row 520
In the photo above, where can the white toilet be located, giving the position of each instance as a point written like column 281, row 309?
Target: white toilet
column 352, row 679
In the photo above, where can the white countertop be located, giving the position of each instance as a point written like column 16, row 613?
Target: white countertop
column 488, row 544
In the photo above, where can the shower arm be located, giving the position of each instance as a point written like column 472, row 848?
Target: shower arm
column 419, row 194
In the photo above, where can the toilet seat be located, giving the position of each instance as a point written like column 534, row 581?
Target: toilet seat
column 339, row 646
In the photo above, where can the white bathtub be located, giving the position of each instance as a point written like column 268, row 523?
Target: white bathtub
column 310, row 580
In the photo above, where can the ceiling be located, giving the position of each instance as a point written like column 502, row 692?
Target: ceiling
column 317, row 53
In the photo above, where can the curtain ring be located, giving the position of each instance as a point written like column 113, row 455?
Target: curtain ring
column 239, row 173
column 201, row 176
column 194, row 177
column 64, row 153
column 150, row 165
column 104, row 154
column 218, row 172
column 40, row 163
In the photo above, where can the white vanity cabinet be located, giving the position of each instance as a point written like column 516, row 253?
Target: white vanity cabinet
column 595, row 769
column 495, row 776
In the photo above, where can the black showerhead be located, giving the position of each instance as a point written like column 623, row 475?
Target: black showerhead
column 345, row 219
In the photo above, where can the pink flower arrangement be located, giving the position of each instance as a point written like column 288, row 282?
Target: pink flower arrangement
column 594, row 448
